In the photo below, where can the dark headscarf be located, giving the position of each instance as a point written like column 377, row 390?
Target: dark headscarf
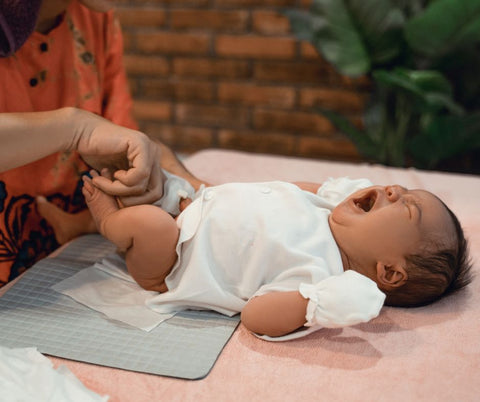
column 17, row 22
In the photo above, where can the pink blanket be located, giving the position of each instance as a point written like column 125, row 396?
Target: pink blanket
column 425, row 354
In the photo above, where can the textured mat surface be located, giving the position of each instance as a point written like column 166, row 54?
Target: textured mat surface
column 33, row 314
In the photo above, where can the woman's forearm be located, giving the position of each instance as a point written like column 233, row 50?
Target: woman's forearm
column 172, row 164
column 27, row 137
column 133, row 158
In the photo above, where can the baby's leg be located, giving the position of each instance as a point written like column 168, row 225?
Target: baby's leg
column 66, row 226
column 147, row 233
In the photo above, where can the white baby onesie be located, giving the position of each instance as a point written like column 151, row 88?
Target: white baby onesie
column 241, row 240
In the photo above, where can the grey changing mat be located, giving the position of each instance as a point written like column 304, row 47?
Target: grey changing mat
column 33, row 314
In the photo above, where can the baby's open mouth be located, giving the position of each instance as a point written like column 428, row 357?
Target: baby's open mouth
column 367, row 201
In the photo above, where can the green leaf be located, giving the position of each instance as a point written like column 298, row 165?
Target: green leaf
column 338, row 39
column 380, row 26
column 444, row 26
column 429, row 88
column 416, row 81
column 429, row 81
column 353, row 35
column 439, row 101
column 445, row 137
column 302, row 24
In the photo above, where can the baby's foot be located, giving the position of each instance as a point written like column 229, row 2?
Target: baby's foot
column 66, row 226
column 101, row 204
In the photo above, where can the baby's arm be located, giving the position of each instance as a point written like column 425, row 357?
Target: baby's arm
column 275, row 314
column 336, row 301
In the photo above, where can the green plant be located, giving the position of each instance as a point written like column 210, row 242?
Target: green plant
column 424, row 62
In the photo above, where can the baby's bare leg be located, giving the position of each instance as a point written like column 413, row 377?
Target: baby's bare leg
column 147, row 233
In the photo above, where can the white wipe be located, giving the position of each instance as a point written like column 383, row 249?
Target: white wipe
column 28, row 376
column 108, row 288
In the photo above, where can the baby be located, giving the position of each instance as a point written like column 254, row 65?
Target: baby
column 290, row 257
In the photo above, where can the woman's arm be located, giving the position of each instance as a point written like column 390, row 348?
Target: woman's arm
column 27, row 137
column 172, row 164
column 275, row 314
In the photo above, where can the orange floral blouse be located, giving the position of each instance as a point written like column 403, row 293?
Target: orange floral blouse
column 78, row 63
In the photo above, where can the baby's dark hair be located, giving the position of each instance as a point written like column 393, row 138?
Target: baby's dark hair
column 437, row 272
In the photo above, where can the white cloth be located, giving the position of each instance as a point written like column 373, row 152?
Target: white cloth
column 108, row 288
column 28, row 376
column 241, row 240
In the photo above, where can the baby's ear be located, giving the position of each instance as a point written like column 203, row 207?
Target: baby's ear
column 391, row 276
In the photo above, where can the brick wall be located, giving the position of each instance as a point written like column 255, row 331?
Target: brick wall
column 230, row 74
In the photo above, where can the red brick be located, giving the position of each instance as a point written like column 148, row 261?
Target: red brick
column 179, row 90
column 142, row 3
column 255, row 47
column 150, row 65
column 332, row 148
column 270, row 23
column 300, row 73
column 141, row 17
column 128, row 42
column 252, row 94
column 211, row 116
column 340, row 100
column 308, row 51
column 255, row 141
column 173, row 43
column 150, row 110
column 291, row 121
column 254, row 3
column 256, row 94
column 134, row 86
column 359, row 83
column 211, row 68
column 181, row 138
column 212, row 20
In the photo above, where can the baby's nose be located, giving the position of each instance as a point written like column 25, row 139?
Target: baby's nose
column 394, row 192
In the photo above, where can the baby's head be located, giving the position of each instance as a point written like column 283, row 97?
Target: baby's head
column 407, row 241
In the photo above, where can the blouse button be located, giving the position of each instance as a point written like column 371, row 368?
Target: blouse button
column 33, row 82
column 266, row 190
column 208, row 195
column 43, row 46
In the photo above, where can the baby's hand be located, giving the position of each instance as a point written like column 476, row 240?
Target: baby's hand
column 184, row 203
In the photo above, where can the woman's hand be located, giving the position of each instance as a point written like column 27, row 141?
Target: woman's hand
column 132, row 157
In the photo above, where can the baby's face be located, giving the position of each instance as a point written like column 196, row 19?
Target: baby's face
column 387, row 223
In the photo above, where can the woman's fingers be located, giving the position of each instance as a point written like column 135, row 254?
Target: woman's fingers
column 153, row 192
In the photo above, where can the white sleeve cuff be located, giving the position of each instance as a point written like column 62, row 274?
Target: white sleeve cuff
column 174, row 190
column 342, row 300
